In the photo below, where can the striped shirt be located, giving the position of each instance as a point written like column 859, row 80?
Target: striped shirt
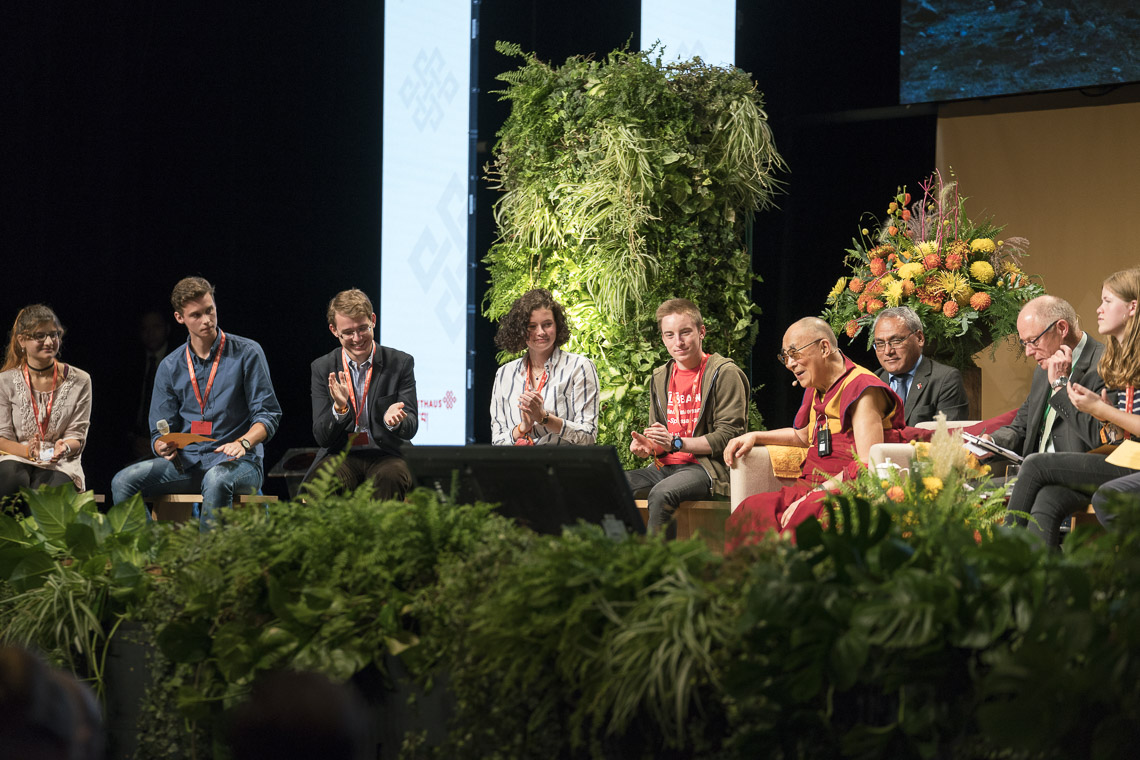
column 570, row 393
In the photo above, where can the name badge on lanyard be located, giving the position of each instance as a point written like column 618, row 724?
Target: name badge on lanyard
column 358, row 438
column 204, row 426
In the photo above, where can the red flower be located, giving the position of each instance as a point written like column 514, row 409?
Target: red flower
column 856, row 285
column 931, row 261
column 950, row 308
column 851, row 328
column 878, row 267
column 953, row 262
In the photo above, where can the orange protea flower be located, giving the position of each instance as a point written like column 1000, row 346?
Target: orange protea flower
column 856, row 285
column 851, row 328
column 908, row 287
column 950, row 308
column 981, row 301
column 874, row 287
column 878, row 267
column 959, row 247
column 896, row 493
column 932, row 261
column 875, row 305
column 953, row 262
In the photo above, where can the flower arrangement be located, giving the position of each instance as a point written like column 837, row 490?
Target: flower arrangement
column 945, row 484
column 965, row 283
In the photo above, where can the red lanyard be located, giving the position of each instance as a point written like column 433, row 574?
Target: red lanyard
column 42, row 425
column 213, row 371
column 692, row 392
column 367, row 382
column 526, row 381
column 1129, row 394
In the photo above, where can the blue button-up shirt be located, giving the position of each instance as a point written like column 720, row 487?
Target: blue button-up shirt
column 242, row 395
column 906, row 378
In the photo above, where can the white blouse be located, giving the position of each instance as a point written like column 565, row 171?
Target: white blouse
column 570, row 393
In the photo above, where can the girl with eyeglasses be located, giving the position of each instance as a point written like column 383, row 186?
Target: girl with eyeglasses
column 45, row 407
column 1052, row 486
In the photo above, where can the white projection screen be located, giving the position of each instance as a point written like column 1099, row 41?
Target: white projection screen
column 688, row 29
column 424, row 240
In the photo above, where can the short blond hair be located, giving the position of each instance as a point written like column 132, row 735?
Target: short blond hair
column 680, row 306
column 352, row 303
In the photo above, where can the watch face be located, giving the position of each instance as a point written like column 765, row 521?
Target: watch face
column 677, row 443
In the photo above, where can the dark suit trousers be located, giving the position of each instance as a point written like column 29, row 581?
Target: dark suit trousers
column 389, row 473
column 1051, row 487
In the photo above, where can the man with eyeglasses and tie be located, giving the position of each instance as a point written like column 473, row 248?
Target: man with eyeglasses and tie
column 845, row 410
column 1050, row 332
column 925, row 386
column 364, row 395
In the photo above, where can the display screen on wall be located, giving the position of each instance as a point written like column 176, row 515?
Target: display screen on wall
column 688, row 29
column 955, row 49
column 424, row 212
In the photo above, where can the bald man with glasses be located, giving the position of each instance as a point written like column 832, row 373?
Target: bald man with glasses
column 925, row 386
column 1050, row 332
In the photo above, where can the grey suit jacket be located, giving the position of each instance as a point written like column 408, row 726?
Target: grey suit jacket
column 934, row 388
column 1072, row 430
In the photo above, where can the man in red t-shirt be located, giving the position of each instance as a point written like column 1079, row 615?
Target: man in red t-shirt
column 697, row 403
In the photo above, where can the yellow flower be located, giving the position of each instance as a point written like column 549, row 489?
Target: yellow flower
column 911, row 270
column 932, row 484
column 982, row 245
column 893, row 292
column 840, row 286
column 982, row 271
column 926, row 248
column 953, row 284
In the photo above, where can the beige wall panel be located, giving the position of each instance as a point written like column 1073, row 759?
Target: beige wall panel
column 1066, row 179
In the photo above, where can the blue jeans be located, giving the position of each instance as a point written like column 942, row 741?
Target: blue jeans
column 218, row 485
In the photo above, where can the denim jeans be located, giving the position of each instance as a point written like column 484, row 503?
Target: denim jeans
column 218, row 485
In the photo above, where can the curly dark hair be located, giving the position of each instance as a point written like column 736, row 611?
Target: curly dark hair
column 512, row 328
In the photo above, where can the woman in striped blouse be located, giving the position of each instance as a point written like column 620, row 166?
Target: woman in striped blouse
column 1063, row 483
column 546, row 396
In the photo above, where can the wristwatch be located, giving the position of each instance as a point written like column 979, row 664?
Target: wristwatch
column 677, row 443
column 1059, row 383
column 246, row 445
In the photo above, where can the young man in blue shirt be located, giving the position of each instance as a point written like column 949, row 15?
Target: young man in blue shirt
column 216, row 385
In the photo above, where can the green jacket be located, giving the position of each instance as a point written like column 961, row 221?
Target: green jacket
column 724, row 411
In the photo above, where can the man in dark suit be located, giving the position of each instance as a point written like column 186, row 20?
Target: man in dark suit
column 366, row 393
column 925, row 386
column 1051, row 334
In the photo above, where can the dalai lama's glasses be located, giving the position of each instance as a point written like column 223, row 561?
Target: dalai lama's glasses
column 793, row 353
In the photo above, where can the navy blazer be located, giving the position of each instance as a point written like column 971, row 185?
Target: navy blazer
column 934, row 388
column 1073, row 431
column 393, row 379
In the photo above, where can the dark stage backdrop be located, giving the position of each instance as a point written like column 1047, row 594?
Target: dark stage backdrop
column 146, row 141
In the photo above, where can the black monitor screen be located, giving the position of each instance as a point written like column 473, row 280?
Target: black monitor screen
column 542, row 487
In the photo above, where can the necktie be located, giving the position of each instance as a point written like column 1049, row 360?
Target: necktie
column 898, row 385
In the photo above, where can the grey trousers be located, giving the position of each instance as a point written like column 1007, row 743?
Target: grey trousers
column 1051, row 487
column 666, row 488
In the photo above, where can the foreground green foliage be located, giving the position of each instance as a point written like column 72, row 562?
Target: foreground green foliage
column 67, row 574
column 627, row 182
column 867, row 639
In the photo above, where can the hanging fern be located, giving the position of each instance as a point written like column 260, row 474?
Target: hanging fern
column 626, row 182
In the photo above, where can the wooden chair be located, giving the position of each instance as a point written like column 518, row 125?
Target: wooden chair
column 693, row 517
column 179, row 507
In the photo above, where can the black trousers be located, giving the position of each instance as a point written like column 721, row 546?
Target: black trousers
column 16, row 475
column 389, row 473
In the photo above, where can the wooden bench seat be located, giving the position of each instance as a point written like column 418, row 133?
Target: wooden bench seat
column 179, row 507
column 705, row 517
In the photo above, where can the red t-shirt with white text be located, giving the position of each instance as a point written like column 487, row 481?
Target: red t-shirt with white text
column 683, row 408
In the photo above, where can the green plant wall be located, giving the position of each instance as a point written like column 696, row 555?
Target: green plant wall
column 626, row 182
